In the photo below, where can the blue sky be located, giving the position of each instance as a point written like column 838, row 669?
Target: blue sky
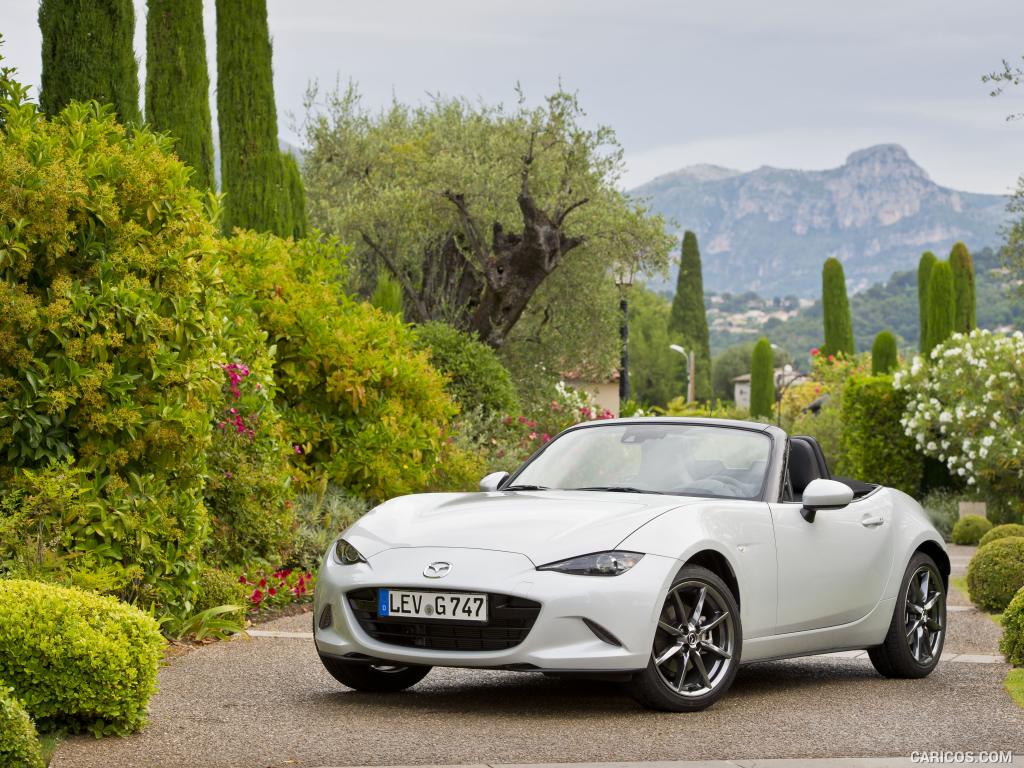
column 740, row 83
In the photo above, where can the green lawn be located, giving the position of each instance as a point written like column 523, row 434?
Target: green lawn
column 1015, row 685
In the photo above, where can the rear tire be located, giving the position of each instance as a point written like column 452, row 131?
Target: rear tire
column 697, row 645
column 373, row 678
column 917, row 632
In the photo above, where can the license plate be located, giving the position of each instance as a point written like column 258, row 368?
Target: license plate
column 451, row 606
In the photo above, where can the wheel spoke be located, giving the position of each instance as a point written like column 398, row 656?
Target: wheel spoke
column 674, row 631
column 680, row 609
column 715, row 649
column 698, row 662
column 672, row 651
column 914, row 628
column 699, row 608
column 683, row 667
column 714, row 622
column 931, row 602
column 924, row 584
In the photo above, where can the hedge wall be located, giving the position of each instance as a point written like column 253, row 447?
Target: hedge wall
column 875, row 447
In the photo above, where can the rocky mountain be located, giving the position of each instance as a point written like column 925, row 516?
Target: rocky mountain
column 769, row 230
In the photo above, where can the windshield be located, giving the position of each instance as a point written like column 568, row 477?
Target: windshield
column 684, row 459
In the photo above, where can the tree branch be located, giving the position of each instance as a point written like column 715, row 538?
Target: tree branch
column 415, row 299
column 476, row 242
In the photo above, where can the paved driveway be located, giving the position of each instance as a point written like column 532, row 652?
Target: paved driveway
column 266, row 701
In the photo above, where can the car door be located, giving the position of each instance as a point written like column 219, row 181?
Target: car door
column 831, row 571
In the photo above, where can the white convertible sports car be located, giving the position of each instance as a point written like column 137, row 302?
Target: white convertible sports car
column 663, row 552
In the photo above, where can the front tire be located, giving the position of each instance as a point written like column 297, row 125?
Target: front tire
column 373, row 678
column 917, row 632
column 697, row 645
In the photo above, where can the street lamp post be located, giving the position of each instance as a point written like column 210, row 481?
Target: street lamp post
column 624, row 279
column 691, row 364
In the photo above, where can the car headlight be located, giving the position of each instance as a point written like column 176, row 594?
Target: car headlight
column 346, row 554
column 597, row 564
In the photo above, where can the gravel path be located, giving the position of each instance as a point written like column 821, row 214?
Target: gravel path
column 259, row 702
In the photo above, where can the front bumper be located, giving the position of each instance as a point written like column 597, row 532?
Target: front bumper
column 626, row 607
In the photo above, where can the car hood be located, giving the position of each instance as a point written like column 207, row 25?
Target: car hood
column 546, row 526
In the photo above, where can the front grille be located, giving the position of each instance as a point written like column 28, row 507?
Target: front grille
column 508, row 623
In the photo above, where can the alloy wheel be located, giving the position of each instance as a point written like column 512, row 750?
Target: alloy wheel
column 694, row 642
column 925, row 615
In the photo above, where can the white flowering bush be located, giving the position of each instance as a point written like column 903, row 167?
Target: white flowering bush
column 966, row 408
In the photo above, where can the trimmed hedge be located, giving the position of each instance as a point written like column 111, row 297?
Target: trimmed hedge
column 1012, row 643
column 476, row 377
column 77, row 660
column 875, row 447
column 996, row 573
column 969, row 529
column 217, row 588
column 1001, row 532
column 19, row 744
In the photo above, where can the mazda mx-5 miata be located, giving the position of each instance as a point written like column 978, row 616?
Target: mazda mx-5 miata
column 663, row 552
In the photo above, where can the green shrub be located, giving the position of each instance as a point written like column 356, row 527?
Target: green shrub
column 943, row 509
column 218, row 587
column 361, row 406
column 874, row 445
column 322, row 517
column 1001, row 532
column 1012, row 642
column 108, row 337
column 75, row 659
column 19, row 743
column 996, row 573
column 476, row 377
column 762, row 380
column 969, row 529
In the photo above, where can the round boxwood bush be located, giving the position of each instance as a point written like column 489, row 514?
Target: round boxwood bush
column 1012, row 644
column 217, row 588
column 1001, row 532
column 996, row 573
column 77, row 660
column 476, row 377
column 19, row 746
column 969, row 529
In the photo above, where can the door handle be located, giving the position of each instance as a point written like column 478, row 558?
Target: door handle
column 872, row 522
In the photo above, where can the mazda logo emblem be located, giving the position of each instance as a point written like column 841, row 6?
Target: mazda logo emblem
column 437, row 570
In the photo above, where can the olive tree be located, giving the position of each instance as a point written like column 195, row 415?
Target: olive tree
column 472, row 208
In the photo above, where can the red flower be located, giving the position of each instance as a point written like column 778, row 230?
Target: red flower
column 256, row 597
column 522, row 419
column 545, row 438
column 831, row 358
column 263, row 582
column 271, row 591
column 815, row 351
column 242, row 580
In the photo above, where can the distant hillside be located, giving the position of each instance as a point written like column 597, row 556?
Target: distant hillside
column 769, row 230
column 891, row 305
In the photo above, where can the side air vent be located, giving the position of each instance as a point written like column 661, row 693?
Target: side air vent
column 326, row 617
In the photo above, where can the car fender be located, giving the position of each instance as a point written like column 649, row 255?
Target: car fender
column 740, row 532
column 911, row 531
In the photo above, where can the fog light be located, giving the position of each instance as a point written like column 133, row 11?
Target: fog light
column 326, row 617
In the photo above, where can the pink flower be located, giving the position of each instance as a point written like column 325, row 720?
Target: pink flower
column 522, row 419
column 815, row 351
column 545, row 438
column 297, row 448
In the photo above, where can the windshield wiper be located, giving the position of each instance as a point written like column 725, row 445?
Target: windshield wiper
column 616, row 489
column 526, row 488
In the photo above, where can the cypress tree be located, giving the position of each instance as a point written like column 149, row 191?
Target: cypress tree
column 962, row 264
column 836, row 310
column 178, row 84
column 251, row 170
column 924, row 273
column 296, row 196
column 941, row 305
column 762, row 380
column 884, row 355
column 88, row 54
column 689, row 317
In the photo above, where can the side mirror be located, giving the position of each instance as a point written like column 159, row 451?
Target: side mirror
column 492, row 481
column 824, row 494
